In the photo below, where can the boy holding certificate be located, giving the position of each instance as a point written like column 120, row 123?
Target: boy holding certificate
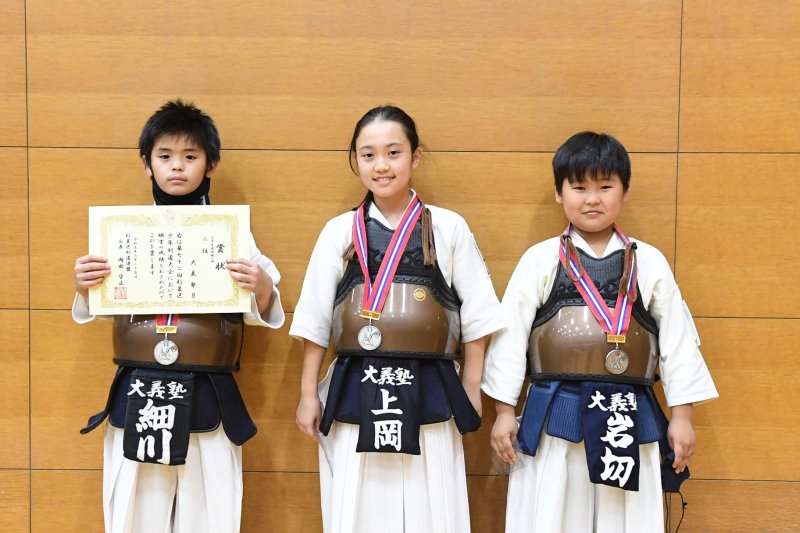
column 591, row 314
column 172, row 459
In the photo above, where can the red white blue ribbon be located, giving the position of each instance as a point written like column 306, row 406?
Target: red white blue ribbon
column 375, row 293
column 166, row 323
column 616, row 323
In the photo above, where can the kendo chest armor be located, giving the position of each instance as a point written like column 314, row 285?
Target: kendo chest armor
column 205, row 342
column 420, row 318
column 567, row 342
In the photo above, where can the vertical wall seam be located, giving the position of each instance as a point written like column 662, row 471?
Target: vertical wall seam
column 678, row 145
column 30, row 338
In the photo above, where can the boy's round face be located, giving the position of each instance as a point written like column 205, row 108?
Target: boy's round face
column 177, row 164
column 385, row 159
column 594, row 205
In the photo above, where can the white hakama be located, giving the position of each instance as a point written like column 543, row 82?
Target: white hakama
column 202, row 496
column 392, row 492
column 552, row 493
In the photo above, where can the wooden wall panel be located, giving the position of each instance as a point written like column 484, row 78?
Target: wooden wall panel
column 67, row 501
column 268, row 71
column 71, row 372
column 507, row 199
column 487, row 503
column 270, row 383
column 739, row 506
column 12, row 73
column 14, row 236
column 14, row 403
column 752, row 431
column 736, row 227
column 281, row 502
column 739, row 75
column 15, row 504
column 495, row 88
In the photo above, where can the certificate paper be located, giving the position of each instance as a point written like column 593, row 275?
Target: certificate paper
column 169, row 259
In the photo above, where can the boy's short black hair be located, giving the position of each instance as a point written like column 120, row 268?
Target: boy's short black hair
column 180, row 118
column 591, row 154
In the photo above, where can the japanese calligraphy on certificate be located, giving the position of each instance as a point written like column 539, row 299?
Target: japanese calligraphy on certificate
column 169, row 259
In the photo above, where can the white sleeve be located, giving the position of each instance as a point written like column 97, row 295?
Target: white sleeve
column 684, row 374
column 80, row 310
column 313, row 315
column 273, row 316
column 480, row 308
column 506, row 358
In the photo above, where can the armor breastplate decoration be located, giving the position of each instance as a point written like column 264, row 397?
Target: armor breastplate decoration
column 567, row 342
column 206, row 342
column 572, row 346
column 420, row 317
column 412, row 322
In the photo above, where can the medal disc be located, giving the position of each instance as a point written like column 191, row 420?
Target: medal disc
column 166, row 352
column 617, row 361
column 369, row 337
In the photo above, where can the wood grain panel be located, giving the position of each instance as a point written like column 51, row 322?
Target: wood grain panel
column 487, row 503
column 739, row 76
column 71, row 372
column 15, row 500
column 475, row 78
column 270, row 383
column 507, row 199
column 281, row 502
column 738, row 506
column 12, row 73
column 67, row 501
column 14, row 221
column 14, row 401
column 735, row 219
column 746, row 433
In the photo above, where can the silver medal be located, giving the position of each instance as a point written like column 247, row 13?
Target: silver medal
column 369, row 337
column 617, row 361
column 166, row 352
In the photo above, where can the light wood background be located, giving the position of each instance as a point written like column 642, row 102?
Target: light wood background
column 702, row 93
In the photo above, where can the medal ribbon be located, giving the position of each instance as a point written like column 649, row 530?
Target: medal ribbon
column 166, row 324
column 375, row 294
column 614, row 324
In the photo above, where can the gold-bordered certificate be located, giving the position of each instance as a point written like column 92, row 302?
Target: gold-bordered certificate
column 169, row 259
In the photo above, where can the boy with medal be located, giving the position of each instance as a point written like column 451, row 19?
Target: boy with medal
column 172, row 458
column 590, row 316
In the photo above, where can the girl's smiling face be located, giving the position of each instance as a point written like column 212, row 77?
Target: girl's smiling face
column 385, row 160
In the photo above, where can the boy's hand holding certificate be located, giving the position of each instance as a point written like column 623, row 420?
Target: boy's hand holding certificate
column 169, row 259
